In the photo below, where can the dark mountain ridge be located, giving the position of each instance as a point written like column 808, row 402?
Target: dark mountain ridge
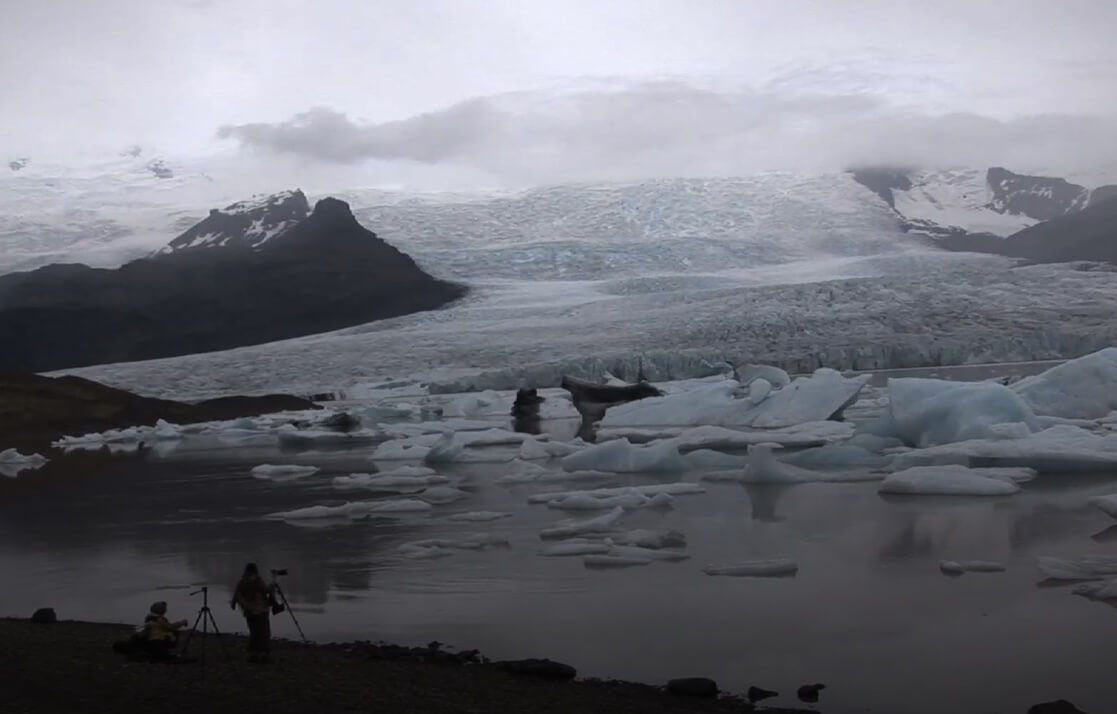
column 275, row 276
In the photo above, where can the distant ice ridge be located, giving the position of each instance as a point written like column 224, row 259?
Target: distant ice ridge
column 530, row 334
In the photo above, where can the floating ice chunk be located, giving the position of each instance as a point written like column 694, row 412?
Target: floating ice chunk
column 284, row 472
column 815, row 433
column 435, row 427
column 574, row 546
column 633, row 551
column 677, row 488
column 12, row 456
column 447, row 449
column 351, row 510
column 773, row 568
column 764, row 467
column 1084, row 388
column 479, row 516
column 613, row 561
column 774, row 376
column 948, row 481
column 567, row 528
column 535, row 448
column 443, row 494
column 1086, row 567
column 759, row 389
column 631, row 500
column 839, row 456
column 403, row 479
column 477, row 541
column 651, row 539
column 471, row 404
column 291, row 435
column 520, row 471
column 930, row 412
column 622, row 456
column 1106, row 590
column 400, row 450
column 414, row 552
column 1060, row 449
column 823, row 395
column 710, row 459
column 957, row 567
column 1107, row 504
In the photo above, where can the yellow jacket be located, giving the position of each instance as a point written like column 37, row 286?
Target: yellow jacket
column 158, row 627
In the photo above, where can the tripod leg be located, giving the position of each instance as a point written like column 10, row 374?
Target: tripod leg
column 186, row 642
column 287, row 606
column 217, row 634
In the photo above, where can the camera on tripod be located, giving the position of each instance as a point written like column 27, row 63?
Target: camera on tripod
column 278, row 571
column 278, row 604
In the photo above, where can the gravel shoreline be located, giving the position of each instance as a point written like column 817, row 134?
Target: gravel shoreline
column 69, row 666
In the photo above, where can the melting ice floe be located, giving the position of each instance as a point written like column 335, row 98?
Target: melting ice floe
column 678, row 488
column 12, row 462
column 1084, row 388
column 763, row 467
column 621, row 456
column 405, row 479
column 569, row 527
column 479, row 516
column 814, row 433
column 772, row 568
column 630, row 500
column 1058, row 449
column 442, row 547
column 1086, row 567
column 284, row 472
column 823, row 395
column 956, row 481
column 520, row 471
column 354, row 510
column 959, row 567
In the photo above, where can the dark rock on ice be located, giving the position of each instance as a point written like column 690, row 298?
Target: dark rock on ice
column 542, row 668
column 758, row 694
column 44, row 616
column 809, row 692
column 693, row 687
column 525, row 411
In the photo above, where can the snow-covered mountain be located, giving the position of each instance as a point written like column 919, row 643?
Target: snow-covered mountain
column 247, row 224
column 993, row 201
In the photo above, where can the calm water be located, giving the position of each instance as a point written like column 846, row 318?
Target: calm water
column 869, row 612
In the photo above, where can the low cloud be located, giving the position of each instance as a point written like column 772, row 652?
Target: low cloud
column 677, row 129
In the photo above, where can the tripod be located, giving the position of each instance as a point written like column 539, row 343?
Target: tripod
column 205, row 618
column 284, row 605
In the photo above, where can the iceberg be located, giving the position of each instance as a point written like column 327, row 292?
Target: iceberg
column 403, row 479
column 567, row 528
column 286, row 472
column 759, row 389
column 958, row 567
column 955, row 481
column 353, row 510
column 635, row 551
column 574, row 547
column 1086, row 567
column 772, row 568
column 291, row 435
column 12, row 462
column 613, row 561
column 644, row 538
column 1084, row 388
column 930, row 412
column 678, row 488
column 839, row 456
column 822, row 396
column 1106, row 590
column 630, row 500
column 442, row 494
column 764, row 467
column 621, row 456
column 1058, row 449
column 814, row 433
column 479, row 516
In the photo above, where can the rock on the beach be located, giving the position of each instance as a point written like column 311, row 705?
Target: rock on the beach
column 1059, row 706
column 543, row 668
column 757, row 694
column 809, row 692
column 45, row 616
column 693, row 687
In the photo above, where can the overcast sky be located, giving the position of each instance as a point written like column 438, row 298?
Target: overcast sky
column 343, row 80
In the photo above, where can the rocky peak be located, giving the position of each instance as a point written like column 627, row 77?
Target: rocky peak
column 246, row 224
column 1038, row 197
column 883, row 181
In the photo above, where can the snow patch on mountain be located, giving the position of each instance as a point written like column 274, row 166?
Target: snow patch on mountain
column 246, row 224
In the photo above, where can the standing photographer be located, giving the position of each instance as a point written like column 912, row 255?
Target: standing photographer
column 254, row 597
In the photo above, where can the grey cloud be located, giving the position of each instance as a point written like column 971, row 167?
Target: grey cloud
column 675, row 128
